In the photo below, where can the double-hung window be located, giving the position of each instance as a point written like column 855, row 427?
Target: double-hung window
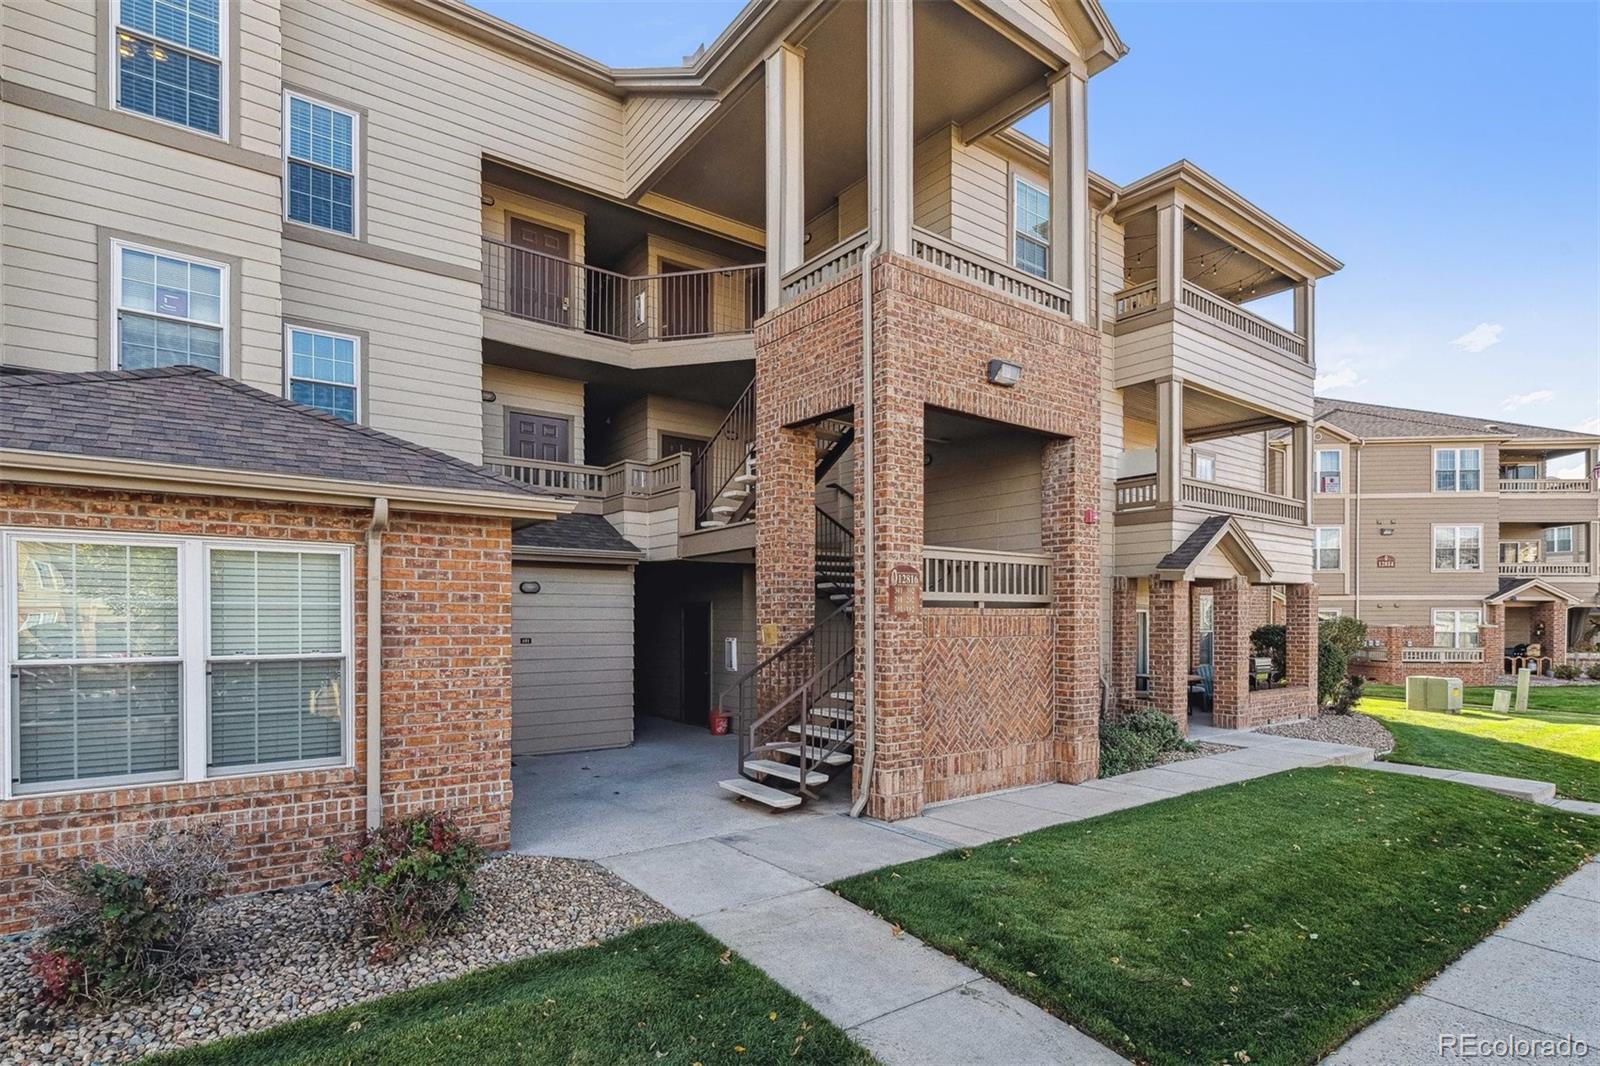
column 168, row 62
column 171, row 309
column 1558, row 540
column 1031, row 222
column 1456, row 629
column 1457, row 469
column 1458, row 547
column 139, row 659
column 1330, row 548
column 1330, row 470
column 323, row 370
column 320, row 164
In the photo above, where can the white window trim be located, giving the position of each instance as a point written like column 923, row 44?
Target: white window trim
column 1546, row 539
column 1197, row 454
column 1317, row 549
column 360, row 368
column 1316, row 472
column 355, row 163
column 1433, row 549
column 194, row 629
column 224, row 311
column 1017, row 178
column 1433, row 473
column 224, row 31
column 1455, row 627
column 1329, row 614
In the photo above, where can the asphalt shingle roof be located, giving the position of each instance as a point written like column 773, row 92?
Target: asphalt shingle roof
column 1180, row 557
column 575, row 532
column 1371, row 420
column 187, row 416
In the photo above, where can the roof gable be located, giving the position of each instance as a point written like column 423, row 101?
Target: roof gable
column 1220, row 539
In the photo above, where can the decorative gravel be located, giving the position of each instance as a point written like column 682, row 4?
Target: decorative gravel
column 1355, row 729
column 1202, row 748
column 293, row 957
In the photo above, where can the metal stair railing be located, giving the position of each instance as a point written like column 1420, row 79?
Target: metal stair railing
column 726, row 455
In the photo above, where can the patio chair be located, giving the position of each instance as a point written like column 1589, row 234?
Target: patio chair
column 1202, row 687
column 1261, row 671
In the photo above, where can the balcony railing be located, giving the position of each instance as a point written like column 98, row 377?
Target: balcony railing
column 1441, row 655
column 935, row 250
column 966, row 575
column 1237, row 318
column 680, row 305
column 825, row 266
column 1134, row 493
column 1215, row 497
column 628, row 477
column 1562, row 485
column 1545, row 569
column 1136, row 300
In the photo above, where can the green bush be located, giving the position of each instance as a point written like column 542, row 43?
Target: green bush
column 1333, row 667
column 407, row 881
column 1348, row 696
column 1565, row 671
column 1135, row 740
column 1271, row 641
column 1594, row 672
column 1347, row 633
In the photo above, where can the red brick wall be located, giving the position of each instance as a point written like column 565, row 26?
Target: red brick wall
column 1169, row 650
column 446, row 685
column 1268, row 705
column 1391, row 641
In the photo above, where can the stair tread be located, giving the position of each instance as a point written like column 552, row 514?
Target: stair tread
column 773, row 768
column 815, row 755
column 772, row 797
column 821, row 732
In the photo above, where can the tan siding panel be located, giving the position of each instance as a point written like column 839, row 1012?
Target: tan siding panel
column 984, row 494
column 518, row 390
column 655, row 125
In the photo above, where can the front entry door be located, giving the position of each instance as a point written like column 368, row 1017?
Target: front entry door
column 696, row 705
column 539, row 285
column 672, row 445
column 539, row 437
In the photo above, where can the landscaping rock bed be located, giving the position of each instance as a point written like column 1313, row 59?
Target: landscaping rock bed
column 1355, row 729
column 293, row 956
column 1202, row 748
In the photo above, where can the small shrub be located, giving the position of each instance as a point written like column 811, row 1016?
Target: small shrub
column 128, row 922
column 1594, row 671
column 1565, row 671
column 1347, row 633
column 1333, row 668
column 1348, row 697
column 1135, row 740
column 407, row 881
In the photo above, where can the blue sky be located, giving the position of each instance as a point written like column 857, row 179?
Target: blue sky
column 1448, row 153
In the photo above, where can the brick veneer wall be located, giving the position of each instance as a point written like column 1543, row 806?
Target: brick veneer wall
column 1170, row 624
column 933, row 335
column 1392, row 640
column 1264, row 706
column 446, row 690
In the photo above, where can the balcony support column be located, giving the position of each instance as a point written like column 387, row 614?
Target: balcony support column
column 1069, row 189
column 1305, row 316
column 1300, row 465
column 1169, row 441
column 1169, row 252
column 785, row 85
column 889, row 124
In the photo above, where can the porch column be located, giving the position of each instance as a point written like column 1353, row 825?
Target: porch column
column 1305, row 316
column 785, row 83
column 1169, row 649
column 889, row 123
column 1300, row 466
column 1300, row 635
column 1230, row 654
column 1069, row 189
column 1169, row 440
column 1169, row 252
column 1125, row 640
column 1071, row 486
column 1552, row 615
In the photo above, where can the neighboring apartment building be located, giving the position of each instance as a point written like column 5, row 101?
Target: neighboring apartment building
column 650, row 298
column 1450, row 538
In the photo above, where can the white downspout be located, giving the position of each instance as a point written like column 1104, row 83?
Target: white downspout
column 869, row 514
column 374, row 653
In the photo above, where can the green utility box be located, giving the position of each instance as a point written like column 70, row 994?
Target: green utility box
column 1433, row 693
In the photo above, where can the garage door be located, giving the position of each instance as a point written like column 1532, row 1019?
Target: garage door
column 572, row 658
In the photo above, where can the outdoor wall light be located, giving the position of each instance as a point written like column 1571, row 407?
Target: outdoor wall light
column 530, row 587
column 1003, row 373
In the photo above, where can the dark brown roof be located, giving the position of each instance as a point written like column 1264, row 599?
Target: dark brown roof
column 1186, row 553
column 587, row 533
column 187, row 416
column 1370, row 420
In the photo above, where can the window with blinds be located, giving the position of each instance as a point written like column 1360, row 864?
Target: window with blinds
column 276, row 658
column 97, row 678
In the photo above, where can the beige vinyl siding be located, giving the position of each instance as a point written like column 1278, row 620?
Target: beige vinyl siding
column 984, row 494
column 980, row 201
column 1108, row 277
column 680, row 418
column 63, row 179
column 50, row 45
column 424, row 358
column 930, row 191
column 654, row 126
column 1411, row 544
column 1395, row 468
column 508, row 203
column 572, row 684
column 1377, row 611
column 260, row 76
column 519, row 390
column 1240, row 460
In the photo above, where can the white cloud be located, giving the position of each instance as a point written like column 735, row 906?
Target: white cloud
column 1528, row 398
column 1340, row 375
column 1483, row 335
column 1588, row 425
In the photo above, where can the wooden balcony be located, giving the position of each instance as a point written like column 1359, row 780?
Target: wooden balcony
column 651, row 504
column 1542, row 486
column 1547, row 569
column 944, row 254
column 1140, row 494
column 956, row 576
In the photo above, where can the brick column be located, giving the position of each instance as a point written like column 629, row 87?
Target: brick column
column 1553, row 616
column 1300, row 635
column 1071, row 476
column 1492, row 635
column 785, row 551
column 1125, row 640
column 1169, row 649
column 1230, row 644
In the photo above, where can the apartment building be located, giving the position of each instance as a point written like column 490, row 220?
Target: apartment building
column 810, row 390
column 1452, row 540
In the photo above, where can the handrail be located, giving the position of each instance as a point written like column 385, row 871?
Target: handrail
column 1545, row 569
column 1210, row 495
column 975, row 266
column 625, row 477
column 1546, row 484
column 726, row 454
column 969, row 575
column 1138, row 492
column 1136, row 299
column 1239, row 320
column 823, row 267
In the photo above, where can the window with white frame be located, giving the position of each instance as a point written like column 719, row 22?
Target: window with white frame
column 320, row 164
column 1141, row 650
column 1457, row 469
column 1031, row 222
column 1328, row 614
column 1458, row 547
column 161, row 659
column 1329, row 548
column 1558, row 540
column 168, row 63
column 1456, row 629
column 171, row 309
column 1330, row 470
column 323, row 370
column 1203, row 464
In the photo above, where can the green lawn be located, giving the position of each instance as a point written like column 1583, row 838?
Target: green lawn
column 1557, row 739
column 666, row 994
column 1272, row 918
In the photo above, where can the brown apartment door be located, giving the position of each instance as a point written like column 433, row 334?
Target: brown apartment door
column 696, row 706
column 671, row 445
column 539, row 437
column 685, row 301
column 539, row 286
